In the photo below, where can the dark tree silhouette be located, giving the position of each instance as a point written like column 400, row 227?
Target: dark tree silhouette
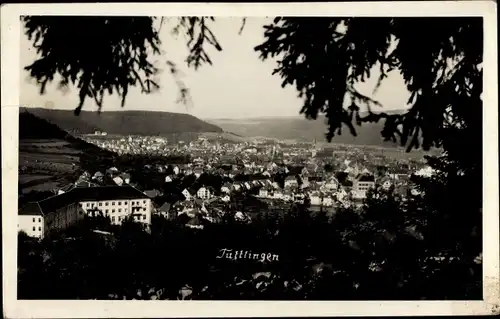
column 102, row 55
column 325, row 58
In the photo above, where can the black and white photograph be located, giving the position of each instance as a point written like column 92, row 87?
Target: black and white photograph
column 240, row 157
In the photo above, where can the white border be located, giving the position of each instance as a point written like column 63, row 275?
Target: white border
column 10, row 81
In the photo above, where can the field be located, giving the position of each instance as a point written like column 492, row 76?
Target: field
column 45, row 164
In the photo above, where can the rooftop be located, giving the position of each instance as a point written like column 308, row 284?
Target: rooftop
column 81, row 194
column 365, row 178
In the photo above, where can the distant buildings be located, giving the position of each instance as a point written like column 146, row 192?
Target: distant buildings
column 58, row 212
column 276, row 173
column 362, row 184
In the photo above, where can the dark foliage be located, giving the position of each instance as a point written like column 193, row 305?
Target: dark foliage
column 131, row 263
column 324, row 58
column 108, row 55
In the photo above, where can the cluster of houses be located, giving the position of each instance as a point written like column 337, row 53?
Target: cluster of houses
column 114, row 194
column 129, row 144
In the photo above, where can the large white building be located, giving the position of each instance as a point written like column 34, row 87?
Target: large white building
column 361, row 185
column 58, row 212
column 117, row 203
column 205, row 193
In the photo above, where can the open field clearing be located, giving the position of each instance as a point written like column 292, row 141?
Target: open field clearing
column 42, row 182
column 42, row 187
column 50, row 158
column 52, row 151
column 44, row 142
column 29, row 178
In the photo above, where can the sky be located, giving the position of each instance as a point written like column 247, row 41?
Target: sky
column 237, row 85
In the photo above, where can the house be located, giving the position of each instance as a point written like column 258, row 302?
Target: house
column 152, row 193
column 315, row 199
column 341, row 194
column 166, row 211
column 403, row 190
column 304, row 172
column 331, row 184
column 415, row 191
column 160, row 168
column 197, row 202
column 305, row 184
column 85, row 175
column 37, row 219
column 425, row 172
column 263, row 192
column 226, row 188
column 112, row 171
column 196, row 222
column 58, row 212
column 320, row 199
column 125, row 177
column 98, row 176
column 65, row 189
column 365, row 171
column 311, row 168
column 272, row 166
column 187, row 194
column 117, row 203
column 85, row 184
column 299, row 198
column 278, row 195
column 242, row 217
column 385, row 183
column 291, row 181
column 198, row 172
column 118, row 180
column 205, row 193
column 176, row 170
column 361, row 185
column 328, row 201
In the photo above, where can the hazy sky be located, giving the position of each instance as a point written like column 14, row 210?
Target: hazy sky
column 237, row 85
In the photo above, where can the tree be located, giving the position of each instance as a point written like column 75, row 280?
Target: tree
column 322, row 57
column 102, row 55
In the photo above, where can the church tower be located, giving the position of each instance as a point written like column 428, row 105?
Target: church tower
column 314, row 148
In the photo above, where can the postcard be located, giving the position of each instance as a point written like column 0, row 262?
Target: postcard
column 249, row 160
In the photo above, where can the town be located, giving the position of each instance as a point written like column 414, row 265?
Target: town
column 292, row 158
column 221, row 178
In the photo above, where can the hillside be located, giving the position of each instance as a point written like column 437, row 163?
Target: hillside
column 49, row 157
column 124, row 122
column 301, row 129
